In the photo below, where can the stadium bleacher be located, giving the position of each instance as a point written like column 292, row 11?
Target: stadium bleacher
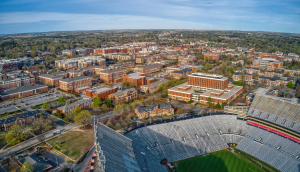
column 153, row 143
column 278, row 151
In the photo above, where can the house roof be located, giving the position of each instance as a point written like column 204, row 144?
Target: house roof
column 150, row 65
column 38, row 163
column 156, row 83
column 122, row 92
column 152, row 107
column 24, row 115
column 74, row 78
column 73, row 105
column 21, row 89
column 113, row 71
column 183, row 71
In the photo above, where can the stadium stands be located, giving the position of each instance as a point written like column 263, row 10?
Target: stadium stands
column 277, row 111
column 117, row 150
column 183, row 139
column 280, row 152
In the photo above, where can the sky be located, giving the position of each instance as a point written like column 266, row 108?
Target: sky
column 27, row 16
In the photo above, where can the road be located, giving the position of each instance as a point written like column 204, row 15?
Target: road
column 43, row 136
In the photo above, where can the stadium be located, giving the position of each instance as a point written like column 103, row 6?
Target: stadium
column 268, row 140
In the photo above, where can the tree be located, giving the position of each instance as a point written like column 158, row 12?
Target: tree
column 61, row 100
column 285, row 95
column 83, row 118
column 108, row 102
column 207, row 66
column 67, row 102
column 218, row 106
column 77, row 110
column 104, row 107
column 209, row 102
column 291, row 85
column 26, row 167
column 231, row 70
column 16, row 134
column 223, row 104
column 96, row 102
column 45, row 106
column 119, row 108
column 42, row 125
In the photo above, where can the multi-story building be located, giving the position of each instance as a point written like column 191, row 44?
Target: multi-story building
column 137, row 79
column 81, row 62
column 154, row 110
column 124, row 57
column 147, row 69
column 141, row 60
column 211, row 56
column 101, row 92
column 77, row 84
column 15, row 64
column 84, row 51
column 122, row 65
column 24, row 118
column 275, row 80
column 85, row 103
column 267, row 64
column 50, row 80
column 237, row 76
column 170, row 69
column 23, row 91
column 124, row 95
column 204, row 88
column 292, row 72
column 153, row 86
column 237, row 62
column 69, row 52
column 16, row 82
column 273, row 74
column 181, row 74
column 112, row 76
column 111, row 50
column 251, row 70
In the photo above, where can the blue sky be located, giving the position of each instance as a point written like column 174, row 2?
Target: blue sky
column 22, row 16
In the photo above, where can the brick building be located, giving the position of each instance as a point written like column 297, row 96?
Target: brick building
column 237, row 62
column 147, row 69
column 69, row 52
column 102, row 92
column 81, row 62
column 112, row 76
column 180, row 74
column 292, row 72
column 137, row 79
column 170, row 69
column 237, row 76
column 24, row 118
column 154, row 110
column 77, row 84
column 251, row 70
column 16, row 82
column 23, row 91
column 211, row 56
column 153, row 86
column 275, row 81
column 83, row 104
column 273, row 74
column 141, row 60
column 267, row 64
column 124, row 57
column 124, row 95
column 50, row 80
column 202, row 87
column 122, row 65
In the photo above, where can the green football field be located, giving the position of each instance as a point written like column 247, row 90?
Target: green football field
column 220, row 161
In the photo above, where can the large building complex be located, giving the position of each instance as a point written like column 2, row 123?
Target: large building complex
column 16, row 82
column 23, row 91
column 102, row 92
column 50, row 80
column 153, row 86
column 15, row 64
column 137, row 79
column 147, row 69
column 112, row 76
column 269, row 64
column 81, row 62
column 124, row 57
column 205, row 88
column 76, row 84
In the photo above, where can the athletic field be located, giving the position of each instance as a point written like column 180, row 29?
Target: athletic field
column 220, row 161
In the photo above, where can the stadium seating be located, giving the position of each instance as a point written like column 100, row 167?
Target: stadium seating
column 275, row 150
column 213, row 133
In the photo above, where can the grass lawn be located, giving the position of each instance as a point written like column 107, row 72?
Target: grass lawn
column 74, row 143
column 2, row 141
column 221, row 161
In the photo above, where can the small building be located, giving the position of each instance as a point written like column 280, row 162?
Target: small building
column 124, row 95
column 153, row 86
column 137, row 79
column 38, row 163
column 102, row 92
column 180, row 74
column 85, row 103
column 147, row 69
column 154, row 110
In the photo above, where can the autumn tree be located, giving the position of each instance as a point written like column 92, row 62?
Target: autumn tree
column 26, row 167
column 16, row 134
column 83, row 118
column 45, row 106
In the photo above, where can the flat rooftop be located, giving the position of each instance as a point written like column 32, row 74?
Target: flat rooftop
column 205, row 75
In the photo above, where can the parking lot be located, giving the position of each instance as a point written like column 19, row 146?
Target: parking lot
column 30, row 101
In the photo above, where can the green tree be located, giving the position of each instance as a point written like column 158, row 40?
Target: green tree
column 231, row 70
column 16, row 134
column 45, row 106
column 291, row 85
column 209, row 103
column 83, row 118
column 119, row 108
column 52, row 71
column 285, row 95
column 26, row 167
column 97, row 101
column 108, row 102
column 218, row 106
column 67, row 102
column 77, row 110
column 61, row 100
column 223, row 104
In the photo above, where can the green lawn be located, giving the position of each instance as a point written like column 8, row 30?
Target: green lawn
column 220, row 161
